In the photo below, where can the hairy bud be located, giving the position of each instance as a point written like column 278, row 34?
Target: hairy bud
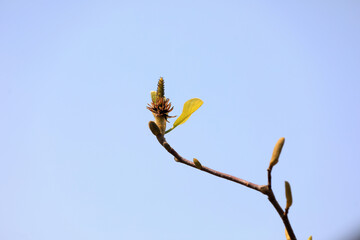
column 276, row 153
column 154, row 128
column 288, row 195
column 197, row 163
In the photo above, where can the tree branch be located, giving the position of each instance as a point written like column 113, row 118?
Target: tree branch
column 265, row 189
column 280, row 211
column 269, row 177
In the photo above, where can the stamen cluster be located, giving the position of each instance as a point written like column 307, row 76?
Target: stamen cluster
column 161, row 108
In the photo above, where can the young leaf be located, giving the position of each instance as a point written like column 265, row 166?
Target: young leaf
column 189, row 108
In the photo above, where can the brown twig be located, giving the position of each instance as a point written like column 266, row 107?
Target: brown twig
column 269, row 177
column 282, row 214
column 265, row 189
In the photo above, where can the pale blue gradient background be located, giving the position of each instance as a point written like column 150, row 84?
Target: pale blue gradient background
column 79, row 162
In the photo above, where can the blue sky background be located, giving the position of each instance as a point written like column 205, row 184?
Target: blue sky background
column 79, row 162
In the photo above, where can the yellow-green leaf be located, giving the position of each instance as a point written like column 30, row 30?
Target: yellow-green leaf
column 310, row 238
column 189, row 108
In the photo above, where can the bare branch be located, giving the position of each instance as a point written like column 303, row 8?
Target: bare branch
column 265, row 189
column 269, row 177
column 180, row 159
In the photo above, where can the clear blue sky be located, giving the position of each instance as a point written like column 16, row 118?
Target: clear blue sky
column 79, row 162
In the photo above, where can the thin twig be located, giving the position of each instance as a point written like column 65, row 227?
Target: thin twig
column 265, row 189
column 269, row 177
column 280, row 211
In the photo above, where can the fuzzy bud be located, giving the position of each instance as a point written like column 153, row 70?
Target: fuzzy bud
column 288, row 195
column 197, row 163
column 154, row 128
column 276, row 153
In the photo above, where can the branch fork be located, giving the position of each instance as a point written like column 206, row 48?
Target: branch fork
column 264, row 189
column 160, row 106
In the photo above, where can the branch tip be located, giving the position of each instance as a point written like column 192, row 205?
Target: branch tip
column 276, row 153
column 265, row 189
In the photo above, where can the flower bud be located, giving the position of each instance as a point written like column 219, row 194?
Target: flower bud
column 154, row 128
column 197, row 163
column 288, row 195
column 276, row 153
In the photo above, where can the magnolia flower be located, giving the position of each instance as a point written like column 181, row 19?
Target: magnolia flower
column 160, row 106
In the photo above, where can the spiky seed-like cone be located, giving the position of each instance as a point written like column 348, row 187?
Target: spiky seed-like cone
column 160, row 106
column 161, row 88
